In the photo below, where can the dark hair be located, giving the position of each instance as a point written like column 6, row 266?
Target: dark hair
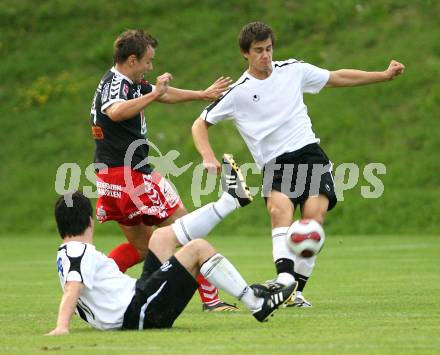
column 132, row 42
column 72, row 214
column 254, row 31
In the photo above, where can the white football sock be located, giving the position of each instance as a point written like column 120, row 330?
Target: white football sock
column 223, row 275
column 304, row 266
column 226, row 204
column 200, row 222
column 280, row 249
column 285, row 279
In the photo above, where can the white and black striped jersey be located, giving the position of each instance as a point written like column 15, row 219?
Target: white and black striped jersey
column 113, row 138
column 107, row 292
column 270, row 114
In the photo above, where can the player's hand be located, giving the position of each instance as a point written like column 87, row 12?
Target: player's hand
column 162, row 82
column 212, row 165
column 216, row 89
column 394, row 69
column 58, row 331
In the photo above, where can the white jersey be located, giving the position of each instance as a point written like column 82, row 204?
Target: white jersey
column 107, row 292
column 270, row 114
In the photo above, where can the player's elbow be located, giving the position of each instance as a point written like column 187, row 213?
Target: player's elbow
column 335, row 79
column 115, row 112
column 198, row 126
column 116, row 116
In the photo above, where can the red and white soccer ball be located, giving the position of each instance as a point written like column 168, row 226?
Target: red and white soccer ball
column 305, row 238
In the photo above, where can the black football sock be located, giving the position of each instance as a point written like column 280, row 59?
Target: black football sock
column 302, row 280
column 285, row 265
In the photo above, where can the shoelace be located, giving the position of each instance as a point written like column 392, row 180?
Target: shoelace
column 272, row 285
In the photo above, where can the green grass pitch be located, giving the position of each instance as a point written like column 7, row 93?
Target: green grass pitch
column 371, row 295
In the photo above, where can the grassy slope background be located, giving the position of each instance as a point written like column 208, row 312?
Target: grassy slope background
column 54, row 53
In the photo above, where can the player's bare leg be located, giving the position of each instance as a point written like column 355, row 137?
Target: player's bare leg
column 194, row 255
column 280, row 209
column 163, row 243
column 314, row 207
column 138, row 236
column 133, row 252
column 281, row 212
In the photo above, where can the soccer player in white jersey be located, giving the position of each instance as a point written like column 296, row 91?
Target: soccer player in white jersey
column 266, row 105
column 107, row 299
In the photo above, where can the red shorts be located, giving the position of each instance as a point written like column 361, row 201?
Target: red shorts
column 130, row 197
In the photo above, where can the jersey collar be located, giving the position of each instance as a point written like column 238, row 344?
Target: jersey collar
column 250, row 76
column 114, row 70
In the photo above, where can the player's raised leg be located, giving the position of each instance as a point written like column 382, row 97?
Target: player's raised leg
column 315, row 207
column 200, row 222
column 199, row 256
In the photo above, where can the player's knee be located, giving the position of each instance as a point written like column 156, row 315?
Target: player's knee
column 162, row 236
column 318, row 216
column 278, row 210
column 200, row 246
column 140, row 246
column 197, row 244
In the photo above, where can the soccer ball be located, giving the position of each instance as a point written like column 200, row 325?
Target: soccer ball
column 305, row 238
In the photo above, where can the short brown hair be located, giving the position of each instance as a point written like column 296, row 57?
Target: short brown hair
column 132, row 42
column 254, row 31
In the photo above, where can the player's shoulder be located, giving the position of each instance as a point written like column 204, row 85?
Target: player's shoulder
column 109, row 74
column 76, row 249
column 241, row 82
column 287, row 64
column 243, row 79
column 115, row 78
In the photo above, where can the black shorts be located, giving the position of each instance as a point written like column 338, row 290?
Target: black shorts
column 300, row 174
column 160, row 299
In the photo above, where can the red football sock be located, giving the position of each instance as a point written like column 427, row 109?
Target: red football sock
column 207, row 291
column 125, row 256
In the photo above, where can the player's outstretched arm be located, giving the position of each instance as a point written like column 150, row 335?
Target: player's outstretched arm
column 353, row 77
column 124, row 110
column 201, row 141
column 213, row 92
column 72, row 290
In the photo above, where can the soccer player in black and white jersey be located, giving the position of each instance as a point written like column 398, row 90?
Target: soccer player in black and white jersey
column 107, row 299
column 130, row 192
column 266, row 105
